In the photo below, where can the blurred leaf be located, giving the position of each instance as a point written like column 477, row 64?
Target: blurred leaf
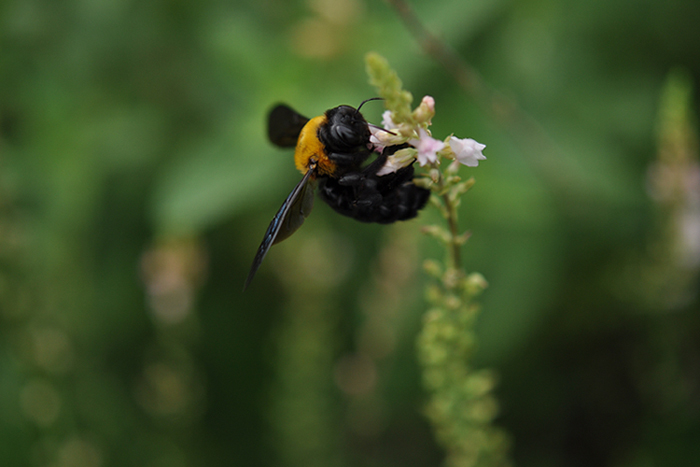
column 212, row 181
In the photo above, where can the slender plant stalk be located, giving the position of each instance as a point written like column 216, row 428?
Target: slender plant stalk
column 454, row 232
column 460, row 406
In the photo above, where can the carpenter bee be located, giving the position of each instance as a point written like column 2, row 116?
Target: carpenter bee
column 330, row 151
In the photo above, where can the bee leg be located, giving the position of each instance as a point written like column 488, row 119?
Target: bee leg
column 366, row 193
column 351, row 179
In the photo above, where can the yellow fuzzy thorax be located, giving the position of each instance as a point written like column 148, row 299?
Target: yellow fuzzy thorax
column 310, row 147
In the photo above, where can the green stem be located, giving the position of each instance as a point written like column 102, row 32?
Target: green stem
column 454, row 253
column 455, row 247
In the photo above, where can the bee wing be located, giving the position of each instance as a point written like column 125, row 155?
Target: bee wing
column 284, row 125
column 291, row 215
column 298, row 210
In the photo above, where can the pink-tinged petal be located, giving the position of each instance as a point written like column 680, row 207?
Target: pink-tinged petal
column 427, row 147
column 425, row 111
column 429, row 102
column 467, row 151
column 388, row 121
column 381, row 138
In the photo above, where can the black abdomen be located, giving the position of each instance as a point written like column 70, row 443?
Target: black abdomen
column 372, row 198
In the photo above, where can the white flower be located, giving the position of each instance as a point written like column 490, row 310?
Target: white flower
column 387, row 120
column 387, row 136
column 400, row 159
column 467, row 151
column 381, row 138
column 427, row 147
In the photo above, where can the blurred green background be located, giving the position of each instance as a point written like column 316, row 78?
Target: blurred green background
column 136, row 183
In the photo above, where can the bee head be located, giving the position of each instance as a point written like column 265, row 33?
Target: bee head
column 347, row 129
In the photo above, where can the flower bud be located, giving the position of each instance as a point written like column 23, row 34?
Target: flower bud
column 425, row 111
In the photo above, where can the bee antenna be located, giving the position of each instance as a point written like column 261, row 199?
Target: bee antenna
column 382, row 129
column 367, row 100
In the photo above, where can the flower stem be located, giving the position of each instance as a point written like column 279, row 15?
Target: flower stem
column 461, row 406
column 455, row 246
